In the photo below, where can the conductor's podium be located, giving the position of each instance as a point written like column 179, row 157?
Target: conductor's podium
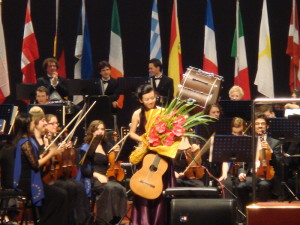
column 275, row 213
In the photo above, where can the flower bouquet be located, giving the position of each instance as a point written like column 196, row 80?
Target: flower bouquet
column 166, row 127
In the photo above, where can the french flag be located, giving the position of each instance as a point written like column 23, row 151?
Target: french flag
column 210, row 62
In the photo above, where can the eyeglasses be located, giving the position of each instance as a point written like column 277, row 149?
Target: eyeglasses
column 262, row 123
column 54, row 124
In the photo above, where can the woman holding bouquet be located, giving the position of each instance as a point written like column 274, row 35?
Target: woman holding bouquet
column 145, row 211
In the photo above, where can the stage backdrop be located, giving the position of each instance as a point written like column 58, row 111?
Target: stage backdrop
column 135, row 17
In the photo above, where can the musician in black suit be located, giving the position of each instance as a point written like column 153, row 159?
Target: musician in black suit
column 163, row 85
column 56, row 84
column 244, row 174
column 108, row 85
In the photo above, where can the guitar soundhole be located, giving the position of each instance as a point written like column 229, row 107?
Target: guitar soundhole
column 153, row 168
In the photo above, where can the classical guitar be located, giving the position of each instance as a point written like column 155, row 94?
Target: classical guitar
column 147, row 182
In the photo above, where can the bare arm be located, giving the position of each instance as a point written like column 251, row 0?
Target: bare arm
column 135, row 120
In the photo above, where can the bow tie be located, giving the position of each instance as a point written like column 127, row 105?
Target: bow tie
column 105, row 81
column 157, row 78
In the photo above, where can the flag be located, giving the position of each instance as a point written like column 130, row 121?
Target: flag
column 175, row 63
column 58, row 41
column 264, row 74
column 238, row 51
column 210, row 62
column 84, row 66
column 155, row 43
column 4, row 80
column 30, row 51
column 293, row 49
column 116, row 52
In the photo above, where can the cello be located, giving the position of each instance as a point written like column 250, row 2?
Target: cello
column 265, row 170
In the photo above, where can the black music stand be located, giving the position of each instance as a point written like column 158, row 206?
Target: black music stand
column 221, row 126
column 83, row 87
column 285, row 129
column 231, row 148
column 25, row 91
column 237, row 108
column 100, row 111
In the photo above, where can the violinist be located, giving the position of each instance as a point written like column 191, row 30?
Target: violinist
column 77, row 203
column 181, row 161
column 229, row 169
column 111, row 199
column 264, row 143
column 52, row 200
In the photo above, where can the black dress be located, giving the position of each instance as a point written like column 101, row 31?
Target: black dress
column 111, row 197
column 54, row 205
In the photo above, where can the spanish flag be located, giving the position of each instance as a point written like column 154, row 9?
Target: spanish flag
column 175, row 63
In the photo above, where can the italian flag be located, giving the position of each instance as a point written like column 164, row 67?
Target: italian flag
column 175, row 63
column 116, row 53
column 238, row 51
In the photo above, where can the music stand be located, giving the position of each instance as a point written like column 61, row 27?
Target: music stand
column 101, row 111
column 231, row 148
column 83, row 87
column 25, row 91
column 285, row 129
column 237, row 108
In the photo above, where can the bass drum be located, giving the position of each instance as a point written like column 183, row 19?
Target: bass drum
column 201, row 86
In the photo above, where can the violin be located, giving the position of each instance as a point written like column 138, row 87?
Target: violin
column 51, row 169
column 265, row 170
column 195, row 171
column 115, row 169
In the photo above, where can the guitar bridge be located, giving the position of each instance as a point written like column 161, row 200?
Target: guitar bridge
column 143, row 182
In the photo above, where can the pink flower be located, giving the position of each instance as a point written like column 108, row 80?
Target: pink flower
column 180, row 120
column 154, row 140
column 157, row 119
column 178, row 130
column 152, row 131
column 161, row 127
column 169, row 140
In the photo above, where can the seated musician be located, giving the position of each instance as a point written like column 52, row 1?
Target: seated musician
column 78, row 205
column 42, row 96
column 236, row 93
column 229, row 169
column 293, row 105
column 185, row 155
column 267, row 110
column 264, row 183
column 53, row 200
column 111, row 199
column 52, row 81
column 67, row 174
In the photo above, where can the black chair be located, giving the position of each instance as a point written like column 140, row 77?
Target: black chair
column 23, row 205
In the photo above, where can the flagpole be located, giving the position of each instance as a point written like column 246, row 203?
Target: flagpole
column 56, row 28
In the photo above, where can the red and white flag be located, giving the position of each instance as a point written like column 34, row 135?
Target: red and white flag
column 210, row 62
column 30, row 51
column 293, row 48
column 4, row 80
